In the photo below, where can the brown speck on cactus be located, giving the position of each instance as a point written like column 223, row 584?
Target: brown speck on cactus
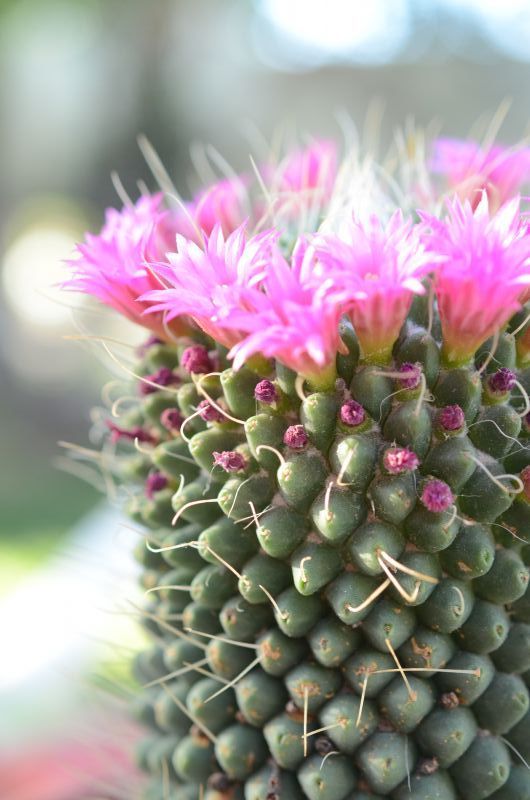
column 449, row 700
column 428, row 766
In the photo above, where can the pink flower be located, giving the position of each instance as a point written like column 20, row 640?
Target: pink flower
column 313, row 168
column 162, row 377
column 374, row 270
column 501, row 382
column 130, row 434
column 71, row 759
column 411, row 375
column 471, row 169
column 113, row 265
column 207, row 283
column 302, row 181
column 485, row 269
column 290, row 319
column 220, row 204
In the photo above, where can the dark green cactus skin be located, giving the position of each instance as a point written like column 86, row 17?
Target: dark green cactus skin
column 285, row 561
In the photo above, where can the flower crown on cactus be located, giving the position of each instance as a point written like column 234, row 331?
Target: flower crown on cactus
column 328, row 446
column 243, row 268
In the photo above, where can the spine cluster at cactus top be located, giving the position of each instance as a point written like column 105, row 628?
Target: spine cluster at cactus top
column 329, row 452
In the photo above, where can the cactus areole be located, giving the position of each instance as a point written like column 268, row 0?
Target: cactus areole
column 329, row 454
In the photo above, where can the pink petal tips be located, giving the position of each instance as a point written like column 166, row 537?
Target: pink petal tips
column 209, row 413
column 374, row 269
column 113, row 266
column 471, row 169
column 484, row 267
column 261, row 269
column 171, row 419
column 208, row 283
column 224, row 204
column 290, row 319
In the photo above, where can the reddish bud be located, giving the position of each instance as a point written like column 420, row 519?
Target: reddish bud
column 411, row 375
column 352, row 413
column 265, row 392
column 451, row 418
column 117, row 433
column 230, row 460
column 502, row 381
column 163, row 377
column 209, row 413
column 196, row 359
column 400, row 459
column 295, row 437
column 171, row 419
column 436, row 495
column 150, row 342
column 155, row 483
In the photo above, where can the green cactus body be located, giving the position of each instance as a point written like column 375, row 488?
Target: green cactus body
column 388, row 629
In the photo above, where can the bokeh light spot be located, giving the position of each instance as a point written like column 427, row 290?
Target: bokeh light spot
column 32, row 270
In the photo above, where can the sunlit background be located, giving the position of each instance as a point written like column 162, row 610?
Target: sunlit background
column 79, row 80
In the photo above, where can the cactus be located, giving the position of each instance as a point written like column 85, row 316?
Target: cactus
column 329, row 456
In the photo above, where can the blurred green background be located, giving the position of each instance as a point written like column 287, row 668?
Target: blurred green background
column 79, row 80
